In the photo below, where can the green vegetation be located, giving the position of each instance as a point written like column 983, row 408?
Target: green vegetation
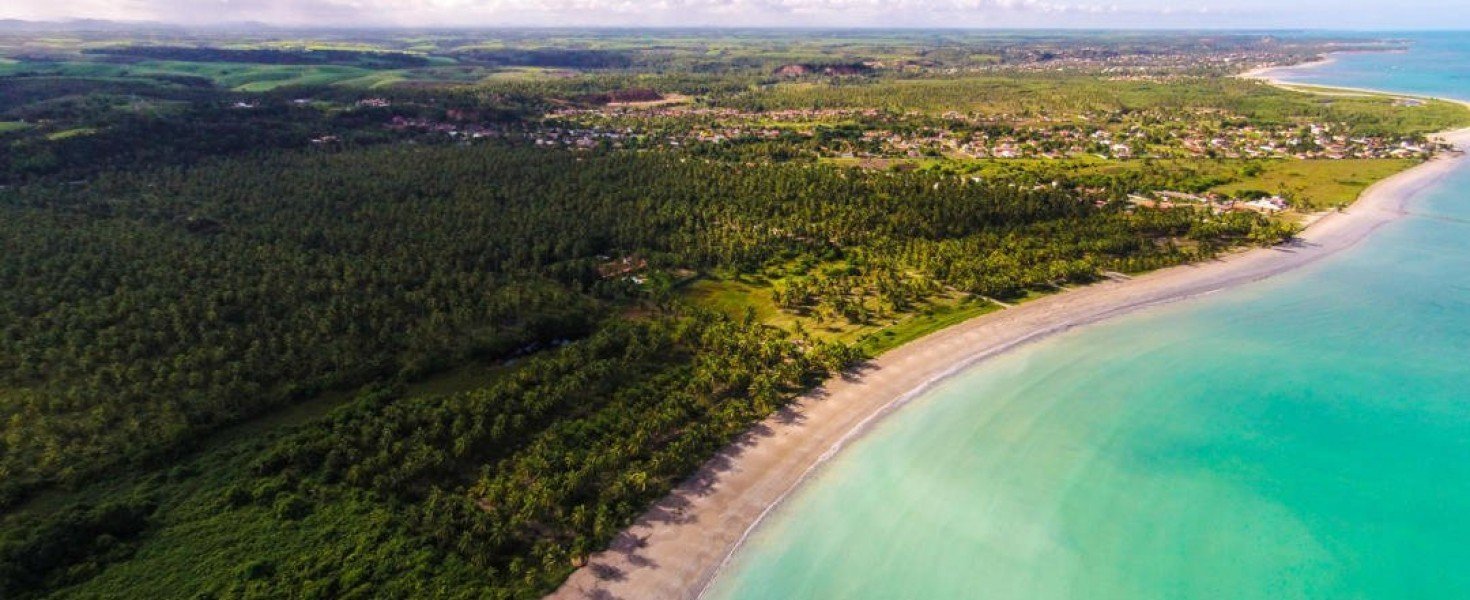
column 320, row 272
column 1316, row 184
column 70, row 133
column 436, row 315
column 740, row 296
column 1311, row 185
column 344, row 509
column 1067, row 97
column 233, row 76
column 926, row 321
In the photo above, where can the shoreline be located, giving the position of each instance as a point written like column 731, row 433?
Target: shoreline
column 1271, row 76
column 1264, row 73
column 677, row 547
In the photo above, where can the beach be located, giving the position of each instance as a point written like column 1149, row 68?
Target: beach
column 678, row 546
column 1272, row 75
column 1268, row 74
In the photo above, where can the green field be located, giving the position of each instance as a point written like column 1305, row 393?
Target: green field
column 930, row 319
column 263, row 78
column 234, row 76
column 1320, row 184
column 737, row 296
column 70, row 133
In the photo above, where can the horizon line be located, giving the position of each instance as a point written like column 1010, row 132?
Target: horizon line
column 82, row 21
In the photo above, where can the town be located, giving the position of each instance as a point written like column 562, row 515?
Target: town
column 871, row 133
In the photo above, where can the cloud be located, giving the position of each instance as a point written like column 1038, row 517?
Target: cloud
column 803, row 13
column 572, row 12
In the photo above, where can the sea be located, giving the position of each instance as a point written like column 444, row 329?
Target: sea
column 1306, row 436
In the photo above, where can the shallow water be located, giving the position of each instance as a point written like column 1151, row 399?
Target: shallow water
column 1306, row 436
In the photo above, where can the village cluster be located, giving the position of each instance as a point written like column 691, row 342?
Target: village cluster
column 1107, row 61
column 1144, row 64
column 871, row 133
column 1214, row 202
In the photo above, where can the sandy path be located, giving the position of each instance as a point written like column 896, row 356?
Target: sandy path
column 677, row 547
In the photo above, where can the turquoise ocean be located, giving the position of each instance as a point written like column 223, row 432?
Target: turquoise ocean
column 1307, row 436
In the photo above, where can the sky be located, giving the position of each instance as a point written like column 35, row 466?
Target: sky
column 1103, row 14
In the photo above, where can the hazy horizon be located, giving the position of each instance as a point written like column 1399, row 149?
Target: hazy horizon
column 793, row 14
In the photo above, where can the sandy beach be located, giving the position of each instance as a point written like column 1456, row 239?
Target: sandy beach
column 678, row 546
column 1272, row 75
column 1269, row 74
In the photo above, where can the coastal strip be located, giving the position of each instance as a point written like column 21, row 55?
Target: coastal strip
column 676, row 548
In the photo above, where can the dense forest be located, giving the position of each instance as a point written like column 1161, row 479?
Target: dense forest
column 329, row 270
column 94, row 124
column 363, row 324
column 144, row 311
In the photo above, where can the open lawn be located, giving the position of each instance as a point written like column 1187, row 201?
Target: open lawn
column 68, row 133
column 930, row 319
column 1319, row 184
column 738, row 296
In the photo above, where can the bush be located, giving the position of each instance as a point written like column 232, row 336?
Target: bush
column 291, row 507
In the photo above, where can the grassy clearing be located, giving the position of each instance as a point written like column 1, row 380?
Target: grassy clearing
column 9, row 126
column 373, row 81
column 504, row 74
column 738, row 297
column 261, row 78
column 925, row 322
column 735, row 297
column 1321, row 184
column 71, row 133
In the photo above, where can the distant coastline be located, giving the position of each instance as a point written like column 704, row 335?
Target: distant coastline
column 678, row 547
column 1273, row 75
column 1269, row 74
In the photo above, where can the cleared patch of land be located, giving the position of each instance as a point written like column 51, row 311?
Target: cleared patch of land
column 1321, row 184
column 737, row 297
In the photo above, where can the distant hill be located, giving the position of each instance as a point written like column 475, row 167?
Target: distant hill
column 19, row 25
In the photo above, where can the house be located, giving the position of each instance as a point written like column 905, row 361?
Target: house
column 623, row 266
column 1273, row 204
column 1179, row 196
